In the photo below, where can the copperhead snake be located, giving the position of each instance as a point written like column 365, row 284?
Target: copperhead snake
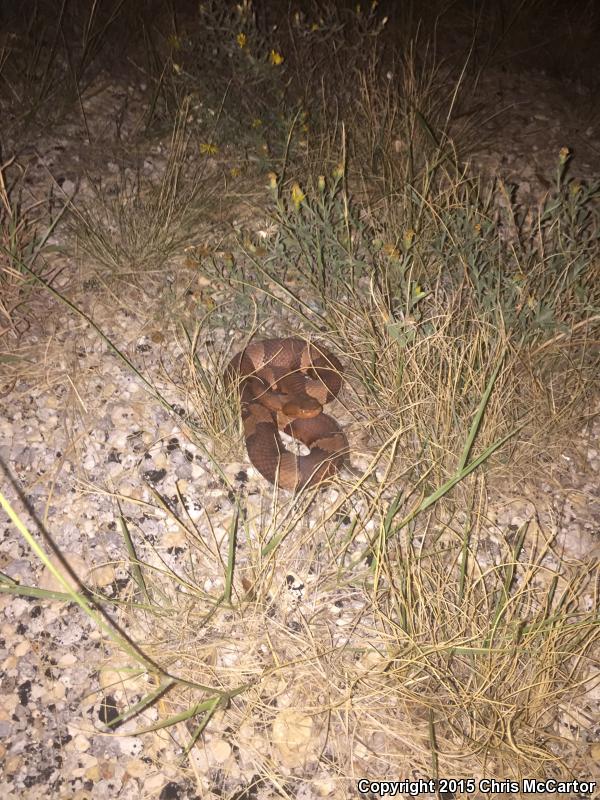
column 284, row 384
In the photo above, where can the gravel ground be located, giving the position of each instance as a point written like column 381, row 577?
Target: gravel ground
column 79, row 426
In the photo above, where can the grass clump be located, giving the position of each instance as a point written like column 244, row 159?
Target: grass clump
column 19, row 242
column 133, row 230
column 484, row 647
column 25, row 227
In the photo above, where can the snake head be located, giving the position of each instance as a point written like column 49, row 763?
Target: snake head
column 303, row 407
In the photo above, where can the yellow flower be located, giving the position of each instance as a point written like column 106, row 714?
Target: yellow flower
column 256, row 122
column 276, row 58
column 408, row 238
column 207, row 301
column 391, row 250
column 321, row 183
column 242, row 40
column 574, row 189
column 272, row 176
column 315, row 27
column 563, row 155
column 338, row 171
column 208, row 149
column 298, row 195
column 235, row 172
column 477, row 228
column 174, row 42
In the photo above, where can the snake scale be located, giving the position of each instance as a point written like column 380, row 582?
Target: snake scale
column 284, row 384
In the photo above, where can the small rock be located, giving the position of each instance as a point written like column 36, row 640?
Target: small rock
column 175, row 538
column 92, row 773
column 324, row 787
column 22, row 648
column 293, row 736
column 130, row 745
column 81, row 743
column 136, row 768
column 19, row 606
column 103, row 576
column 58, row 691
column 89, row 462
column 219, row 750
column 12, row 764
column 153, row 784
column 49, row 582
column 200, row 760
column 161, row 461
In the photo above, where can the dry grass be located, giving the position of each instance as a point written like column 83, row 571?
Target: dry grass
column 213, row 404
column 456, row 654
column 424, row 318
column 132, row 230
column 18, row 242
column 387, row 625
column 458, row 649
column 26, row 224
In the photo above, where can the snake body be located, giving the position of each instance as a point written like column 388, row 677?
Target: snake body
column 284, row 384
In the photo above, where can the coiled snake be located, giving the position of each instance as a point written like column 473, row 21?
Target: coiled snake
column 284, row 384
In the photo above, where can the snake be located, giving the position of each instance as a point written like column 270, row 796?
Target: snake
column 284, row 384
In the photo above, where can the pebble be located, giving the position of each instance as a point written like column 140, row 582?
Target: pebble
column 154, row 783
column 81, row 743
column 78, row 565
column 22, row 648
column 67, row 660
column 130, row 745
column 218, row 750
column 292, row 734
column 136, row 768
column 103, row 576
column 92, row 773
